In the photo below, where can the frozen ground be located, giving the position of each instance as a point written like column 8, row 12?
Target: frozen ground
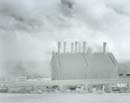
column 64, row 98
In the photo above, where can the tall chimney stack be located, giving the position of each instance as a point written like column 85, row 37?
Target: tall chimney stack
column 79, row 47
column 64, row 46
column 59, row 47
column 72, row 47
column 104, row 47
column 76, row 46
column 84, row 47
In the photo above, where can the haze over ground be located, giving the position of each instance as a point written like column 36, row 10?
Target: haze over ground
column 30, row 28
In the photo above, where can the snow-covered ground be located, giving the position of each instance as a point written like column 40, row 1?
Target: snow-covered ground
column 64, row 98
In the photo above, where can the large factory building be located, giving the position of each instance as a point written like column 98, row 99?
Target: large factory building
column 80, row 64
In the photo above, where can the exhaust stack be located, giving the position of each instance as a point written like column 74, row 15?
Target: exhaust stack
column 64, row 46
column 104, row 47
column 84, row 47
column 59, row 47
column 79, row 47
column 76, row 46
column 72, row 47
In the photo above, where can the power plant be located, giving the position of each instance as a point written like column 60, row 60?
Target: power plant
column 77, row 70
column 78, row 64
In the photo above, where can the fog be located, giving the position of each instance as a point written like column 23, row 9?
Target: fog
column 29, row 30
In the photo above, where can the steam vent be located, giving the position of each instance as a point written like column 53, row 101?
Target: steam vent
column 79, row 64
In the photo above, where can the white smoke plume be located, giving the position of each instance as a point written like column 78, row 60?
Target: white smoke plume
column 29, row 29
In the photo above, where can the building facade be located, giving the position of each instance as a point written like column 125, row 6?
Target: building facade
column 79, row 64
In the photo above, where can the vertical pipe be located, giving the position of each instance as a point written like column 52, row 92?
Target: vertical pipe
column 59, row 47
column 76, row 44
column 64, row 47
column 79, row 47
column 72, row 47
column 84, row 47
column 104, row 47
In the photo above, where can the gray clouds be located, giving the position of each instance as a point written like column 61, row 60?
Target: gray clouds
column 29, row 29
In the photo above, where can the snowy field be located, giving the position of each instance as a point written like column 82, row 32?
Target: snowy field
column 64, row 98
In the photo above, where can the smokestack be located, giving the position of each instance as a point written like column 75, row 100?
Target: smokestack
column 64, row 47
column 104, row 47
column 76, row 46
column 72, row 47
column 84, row 47
column 59, row 47
column 79, row 47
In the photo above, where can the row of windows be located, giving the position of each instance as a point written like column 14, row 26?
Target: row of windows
column 124, row 75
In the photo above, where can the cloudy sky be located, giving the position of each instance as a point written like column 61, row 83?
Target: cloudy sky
column 29, row 30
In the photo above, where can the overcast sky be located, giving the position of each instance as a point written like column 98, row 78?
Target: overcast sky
column 29, row 30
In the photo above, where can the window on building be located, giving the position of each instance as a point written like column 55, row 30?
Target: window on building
column 127, row 74
column 120, row 74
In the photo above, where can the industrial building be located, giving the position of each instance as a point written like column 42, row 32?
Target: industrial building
column 77, row 70
column 78, row 64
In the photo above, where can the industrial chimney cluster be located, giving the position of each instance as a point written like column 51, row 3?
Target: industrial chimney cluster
column 75, row 47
